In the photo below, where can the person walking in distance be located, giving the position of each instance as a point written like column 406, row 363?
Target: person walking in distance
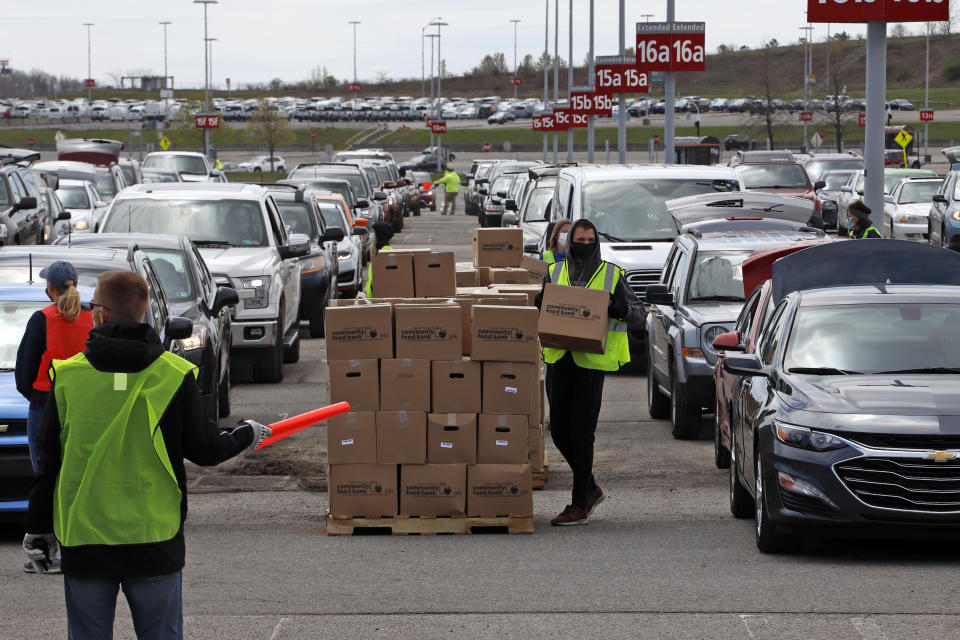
column 451, row 182
column 111, row 486
column 576, row 390
column 858, row 221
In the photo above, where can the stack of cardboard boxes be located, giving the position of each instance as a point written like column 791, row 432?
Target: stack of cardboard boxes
column 446, row 394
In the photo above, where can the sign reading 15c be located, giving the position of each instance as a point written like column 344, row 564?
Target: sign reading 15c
column 878, row 10
column 671, row 46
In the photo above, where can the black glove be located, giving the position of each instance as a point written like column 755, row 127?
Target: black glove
column 617, row 309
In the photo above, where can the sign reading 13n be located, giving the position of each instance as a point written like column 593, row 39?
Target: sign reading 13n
column 878, row 10
column 671, row 46
column 619, row 74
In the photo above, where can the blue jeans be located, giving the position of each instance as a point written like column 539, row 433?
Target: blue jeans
column 34, row 417
column 156, row 604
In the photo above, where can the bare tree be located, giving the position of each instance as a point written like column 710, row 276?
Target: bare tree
column 900, row 30
column 269, row 129
column 767, row 116
column 834, row 115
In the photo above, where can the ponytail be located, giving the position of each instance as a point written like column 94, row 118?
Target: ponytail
column 68, row 301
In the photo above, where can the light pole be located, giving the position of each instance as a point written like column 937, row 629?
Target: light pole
column 592, row 81
column 807, row 45
column 206, row 73
column 354, row 23
column 570, row 84
column 432, row 37
column 516, row 69
column 165, row 24
column 622, row 97
column 423, row 72
column 210, row 42
column 556, row 71
column 438, row 23
column 546, row 66
column 89, row 64
column 670, row 99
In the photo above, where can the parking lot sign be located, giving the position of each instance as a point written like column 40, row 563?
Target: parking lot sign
column 515, row 81
column 355, row 88
column 207, row 121
column 671, row 46
column 486, row 147
column 862, row 119
column 878, row 10
column 439, row 126
column 619, row 74
column 90, row 82
column 806, row 116
column 585, row 100
column 926, row 115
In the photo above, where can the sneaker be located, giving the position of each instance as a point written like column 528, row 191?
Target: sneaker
column 52, row 567
column 571, row 515
column 595, row 498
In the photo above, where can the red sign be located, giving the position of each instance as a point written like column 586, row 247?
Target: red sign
column 31, row 142
column 439, row 126
column 579, row 120
column 545, row 122
column 313, row 134
column 878, row 10
column 806, row 116
column 486, row 147
column 429, row 122
column 562, row 119
column 89, row 82
column 862, row 119
column 355, row 88
column 207, row 121
column 619, row 74
column 926, row 115
column 584, row 100
column 656, row 139
column 671, row 46
column 515, row 81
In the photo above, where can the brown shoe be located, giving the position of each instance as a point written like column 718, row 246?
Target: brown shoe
column 571, row 515
column 595, row 498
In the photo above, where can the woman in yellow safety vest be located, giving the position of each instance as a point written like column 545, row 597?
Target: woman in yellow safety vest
column 557, row 245
column 576, row 389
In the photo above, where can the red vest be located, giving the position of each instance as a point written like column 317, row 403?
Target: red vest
column 65, row 339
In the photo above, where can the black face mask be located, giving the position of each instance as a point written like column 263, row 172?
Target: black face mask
column 581, row 251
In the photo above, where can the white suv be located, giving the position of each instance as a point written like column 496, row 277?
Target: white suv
column 192, row 165
column 242, row 237
column 262, row 163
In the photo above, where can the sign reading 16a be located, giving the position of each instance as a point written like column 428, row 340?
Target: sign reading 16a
column 651, row 52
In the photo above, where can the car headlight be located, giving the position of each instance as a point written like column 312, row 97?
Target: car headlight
column 345, row 250
column 261, row 292
column 3, row 230
column 313, row 264
column 711, row 334
column 492, row 208
column 804, row 438
column 197, row 340
column 80, row 225
column 955, row 214
column 912, row 220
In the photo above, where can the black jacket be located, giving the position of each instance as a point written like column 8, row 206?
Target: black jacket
column 29, row 354
column 187, row 433
column 622, row 293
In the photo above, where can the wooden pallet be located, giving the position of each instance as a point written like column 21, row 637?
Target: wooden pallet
column 541, row 478
column 427, row 525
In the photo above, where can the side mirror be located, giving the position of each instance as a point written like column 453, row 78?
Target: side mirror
column 501, row 194
column 64, row 215
column 225, row 297
column 729, row 341
column 531, row 248
column 940, row 198
column 889, row 199
column 508, row 219
column 361, row 222
column 363, row 203
column 100, row 204
column 470, row 176
column 333, row 234
column 379, row 195
column 216, row 173
column 659, row 294
column 483, row 191
column 296, row 247
column 510, row 204
column 178, row 328
column 819, row 184
column 361, row 231
column 743, row 365
column 26, row 202
column 846, row 189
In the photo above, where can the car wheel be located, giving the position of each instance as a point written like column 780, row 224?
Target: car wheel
column 721, row 455
column 433, row 206
column 684, row 416
column 741, row 502
column 256, row 169
column 658, row 404
column 223, row 396
column 769, row 540
column 317, row 324
column 416, row 210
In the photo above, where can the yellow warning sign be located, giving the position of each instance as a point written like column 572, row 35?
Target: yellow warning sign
column 903, row 138
column 165, row 143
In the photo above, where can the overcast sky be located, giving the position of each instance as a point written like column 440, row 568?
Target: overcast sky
column 263, row 39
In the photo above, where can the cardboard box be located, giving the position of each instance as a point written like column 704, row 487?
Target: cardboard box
column 433, row 489
column 434, row 274
column 467, row 278
column 457, row 386
column 574, row 318
column 509, row 275
column 538, row 451
column 431, row 332
column 536, row 268
column 466, row 300
column 452, row 438
column 363, row 490
column 529, row 290
column 359, row 332
column 497, row 247
column 405, row 385
column 401, row 437
column 510, row 388
column 352, row 438
column 499, row 490
column 502, row 439
column 502, row 333
column 393, row 275
column 356, row 382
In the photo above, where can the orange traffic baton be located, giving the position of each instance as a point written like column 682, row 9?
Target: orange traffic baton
column 292, row 425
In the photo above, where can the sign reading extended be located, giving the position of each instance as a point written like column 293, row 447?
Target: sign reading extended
column 878, row 10
column 671, row 46
column 619, row 74
column 583, row 99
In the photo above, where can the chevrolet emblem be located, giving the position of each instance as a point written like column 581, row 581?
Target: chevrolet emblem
column 941, row 456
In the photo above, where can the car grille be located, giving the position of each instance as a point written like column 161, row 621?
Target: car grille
column 13, row 427
column 884, row 441
column 638, row 280
column 910, row 484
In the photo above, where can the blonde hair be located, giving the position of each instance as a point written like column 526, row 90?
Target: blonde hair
column 68, row 301
column 552, row 245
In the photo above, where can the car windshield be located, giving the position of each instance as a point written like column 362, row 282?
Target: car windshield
column 74, row 197
column 10, row 271
column 353, row 177
column 173, row 272
column 160, row 177
column 773, row 176
column 635, row 210
column 483, row 171
column 332, row 216
column 296, row 215
column 384, row 174
column 235, row 223
column 816, row 168
column 13, row 322
column 919, row 192
column 875, row 338
column 105, row 184
column 718, row 276
column 836, row 179
column 502, row 184
column 193, row 165
column 418, row 159
column 536, row 210
column 893, row 178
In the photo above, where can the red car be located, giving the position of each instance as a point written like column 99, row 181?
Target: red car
column 783, row 177
column 756, row 310
column 425, row 184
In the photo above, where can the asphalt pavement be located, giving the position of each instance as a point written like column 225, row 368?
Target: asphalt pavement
column 661, row 558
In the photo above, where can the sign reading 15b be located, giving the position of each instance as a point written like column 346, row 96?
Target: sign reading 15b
column 671, row 46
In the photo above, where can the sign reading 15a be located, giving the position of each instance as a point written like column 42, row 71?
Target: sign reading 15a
column 618, row 74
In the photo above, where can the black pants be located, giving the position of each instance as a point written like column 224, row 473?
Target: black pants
column 575, row 398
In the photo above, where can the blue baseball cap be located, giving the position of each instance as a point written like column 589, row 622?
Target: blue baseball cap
column 58, row 273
